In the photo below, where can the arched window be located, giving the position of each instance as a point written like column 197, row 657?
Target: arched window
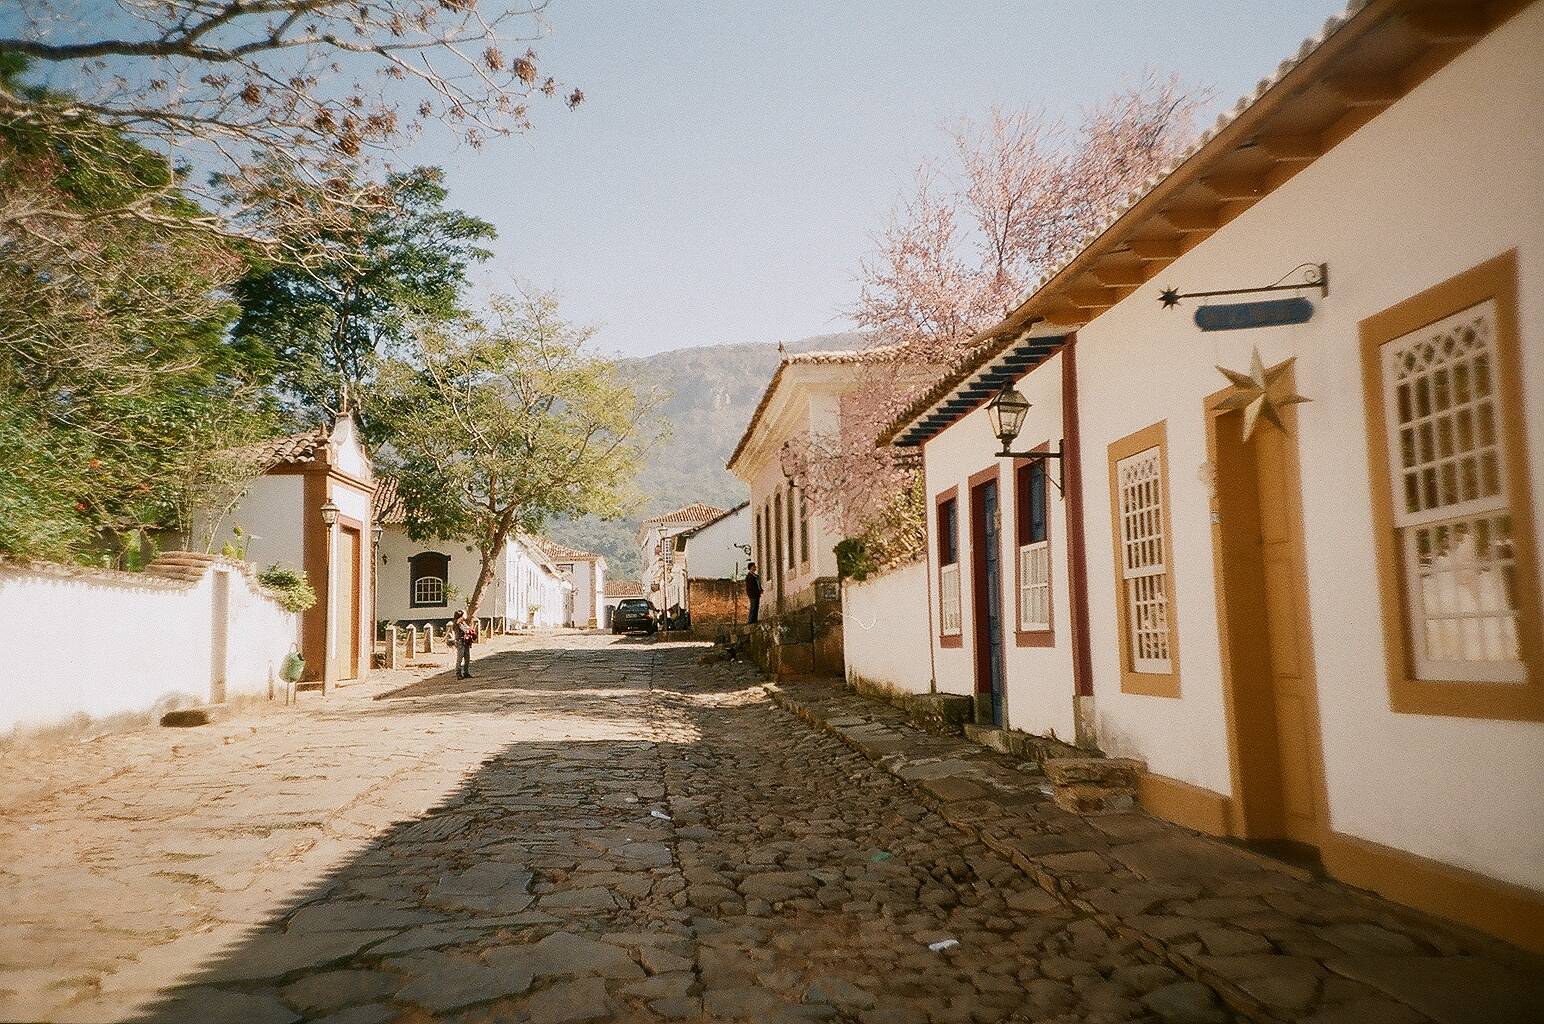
column 427, row 572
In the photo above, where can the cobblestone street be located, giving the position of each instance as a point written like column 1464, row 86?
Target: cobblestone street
column 589, row 829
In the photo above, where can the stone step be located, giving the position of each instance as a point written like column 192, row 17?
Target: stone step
column 1111, row 772
column 1081, row 798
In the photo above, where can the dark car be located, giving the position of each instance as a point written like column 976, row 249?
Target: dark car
column 634, row 613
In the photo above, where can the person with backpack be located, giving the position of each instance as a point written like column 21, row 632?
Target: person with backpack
column 461, row 634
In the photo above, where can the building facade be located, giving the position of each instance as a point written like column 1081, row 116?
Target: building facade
column 714, row 557
column 662, row 576
column 312, row 510
column 587, row 570
column 1317, row 623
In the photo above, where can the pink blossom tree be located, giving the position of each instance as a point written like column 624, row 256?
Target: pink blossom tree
column 951, row 261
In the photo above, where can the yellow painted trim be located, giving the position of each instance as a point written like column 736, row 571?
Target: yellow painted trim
column 1192, row 806
column 1506, row 911
column 1494, row 280
column 1151, row 684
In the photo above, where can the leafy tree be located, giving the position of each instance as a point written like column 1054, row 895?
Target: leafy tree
column 498, row 424
column 111, row 339
column 400, row 265
column 281, row 101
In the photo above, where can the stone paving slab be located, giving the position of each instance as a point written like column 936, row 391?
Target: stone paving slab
column 1273, row 943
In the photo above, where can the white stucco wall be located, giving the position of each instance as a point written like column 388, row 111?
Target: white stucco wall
column 712, row 552
column 270, row 513
column 395, row 593
column 148, row 645
column 1447, row 178
column 1038, row 683
column 885, row 636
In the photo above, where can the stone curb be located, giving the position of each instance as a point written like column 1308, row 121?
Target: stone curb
column 1310, row 974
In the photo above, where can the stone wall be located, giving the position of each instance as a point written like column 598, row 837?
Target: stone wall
column 800, row 642
column 715, row 604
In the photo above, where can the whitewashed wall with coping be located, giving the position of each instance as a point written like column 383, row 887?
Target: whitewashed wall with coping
column 884, row 629
column 94, row 645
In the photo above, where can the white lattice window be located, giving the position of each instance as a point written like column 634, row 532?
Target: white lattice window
column 1451, row 511
column 1144, row 572
column 428, row 590
column 1035, row 586
column 949, row 599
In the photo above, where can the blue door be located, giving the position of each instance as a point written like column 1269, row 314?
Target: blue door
column 988, row 597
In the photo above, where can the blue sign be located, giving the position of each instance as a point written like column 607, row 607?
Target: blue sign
column 1237, row 316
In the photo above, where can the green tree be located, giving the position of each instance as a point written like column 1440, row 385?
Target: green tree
column 498, row 424
column 322, row 327
column 111, row 338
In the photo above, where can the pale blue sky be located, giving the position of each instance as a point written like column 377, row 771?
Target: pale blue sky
column 722, row 177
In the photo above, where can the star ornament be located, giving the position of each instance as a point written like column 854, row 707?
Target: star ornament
column 1259, row 393
column 1169, row 298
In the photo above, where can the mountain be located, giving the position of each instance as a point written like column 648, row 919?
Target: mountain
column 709, row 395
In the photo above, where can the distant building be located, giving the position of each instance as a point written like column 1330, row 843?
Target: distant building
column 423, row 582
column 588, row 571
column 313, row 477
column 713, row 556
column 664, row 582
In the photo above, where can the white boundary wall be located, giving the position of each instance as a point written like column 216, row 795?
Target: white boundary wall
column 88, row 645
column 885, row 636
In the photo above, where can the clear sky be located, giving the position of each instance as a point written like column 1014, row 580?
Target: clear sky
column 723, row 176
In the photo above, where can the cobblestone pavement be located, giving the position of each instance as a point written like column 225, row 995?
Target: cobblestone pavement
column 589, row 829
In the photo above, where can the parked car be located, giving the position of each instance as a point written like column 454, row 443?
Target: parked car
column 632, row 614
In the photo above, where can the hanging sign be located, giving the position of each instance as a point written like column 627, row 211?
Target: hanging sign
column 1235, row 316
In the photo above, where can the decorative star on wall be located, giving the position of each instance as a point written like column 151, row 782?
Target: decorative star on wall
column 1259, row 393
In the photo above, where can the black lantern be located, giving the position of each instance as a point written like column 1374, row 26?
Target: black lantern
column 1006, row 412
column 330, row 514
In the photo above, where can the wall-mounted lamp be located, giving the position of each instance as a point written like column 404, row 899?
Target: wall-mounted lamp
column 1006, row 412
column 330, row 514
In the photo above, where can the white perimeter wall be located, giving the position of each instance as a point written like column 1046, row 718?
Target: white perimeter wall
column 884, row 629
column 130, row 644
column 1446, row 179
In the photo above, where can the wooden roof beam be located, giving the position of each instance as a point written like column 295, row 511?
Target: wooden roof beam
column 1122, row 274
column 1230, row 187
column 1168, row 248
column 1193, row 218
column 1094, row 298
column 1066, row 316
column 1292, row 148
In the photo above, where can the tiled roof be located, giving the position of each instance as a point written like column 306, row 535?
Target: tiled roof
column 1370, row 37
column 564, row 553
column 721, row 516
column 295, row 448
column 386, row 507
column 624, row 588
column 696, row 512
column 844, row 357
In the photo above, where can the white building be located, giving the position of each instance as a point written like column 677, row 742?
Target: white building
column 311, row 510
column 424, row 582
column 664, row 581
column 588, row 572
column 793, row 544
column 1327, row 633
column 719, row 548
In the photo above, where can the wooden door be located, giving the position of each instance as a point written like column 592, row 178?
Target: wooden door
column 986, row 593
column 1266, row 652
column 346, row 589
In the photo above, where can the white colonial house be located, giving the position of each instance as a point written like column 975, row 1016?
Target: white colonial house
column 424, row 582
column 587, row 570
column 312, row 510
column 719, row 548
column 793, row 544
column 664, row 581
column 1323, row 632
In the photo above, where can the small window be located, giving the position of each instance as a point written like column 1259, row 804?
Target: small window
column 804, row 528
column 1456, row 548
column 1034, row 559
column 1144, row 577
column 949, row 623
column 427, row 572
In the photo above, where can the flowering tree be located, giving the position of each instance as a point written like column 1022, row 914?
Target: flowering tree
column 949, row 264
column 278, row 100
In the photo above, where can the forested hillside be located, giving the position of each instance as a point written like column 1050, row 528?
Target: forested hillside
column 709, row 394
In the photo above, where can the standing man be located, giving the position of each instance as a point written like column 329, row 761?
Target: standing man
column 753, row 591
